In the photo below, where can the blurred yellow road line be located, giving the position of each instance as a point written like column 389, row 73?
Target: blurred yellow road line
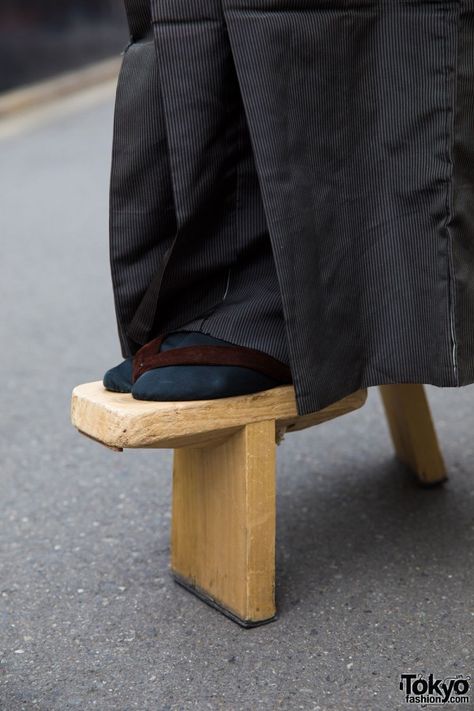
column 25, row 109
column 32, row 95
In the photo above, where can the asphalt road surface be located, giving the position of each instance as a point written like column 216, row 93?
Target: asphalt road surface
column 375, row 574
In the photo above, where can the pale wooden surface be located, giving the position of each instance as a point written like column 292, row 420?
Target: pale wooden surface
column 412, row 430
column 119, row 421
column 223, row 523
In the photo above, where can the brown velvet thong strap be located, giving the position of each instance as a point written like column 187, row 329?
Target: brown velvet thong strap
column 149, row 357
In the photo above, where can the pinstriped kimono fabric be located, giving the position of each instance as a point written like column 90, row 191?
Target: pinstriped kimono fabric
column 208, row 265
column 361, row 121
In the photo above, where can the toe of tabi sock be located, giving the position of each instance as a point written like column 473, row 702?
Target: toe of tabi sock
column 119, row 378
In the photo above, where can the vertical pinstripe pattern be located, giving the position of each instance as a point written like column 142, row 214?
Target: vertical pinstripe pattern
column 360, row 115
column 217, row 273
column 353, row 145
column 139, row 18
column 224, row 252
column 461, row 223
column 142, row 220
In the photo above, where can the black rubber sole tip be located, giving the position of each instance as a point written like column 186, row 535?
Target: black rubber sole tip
column 246, row 624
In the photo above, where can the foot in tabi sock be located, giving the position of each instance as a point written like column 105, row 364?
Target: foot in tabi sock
column 208, row 368
column 195, row 366
column 119, row 378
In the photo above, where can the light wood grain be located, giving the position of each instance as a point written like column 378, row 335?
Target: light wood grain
column 223, row 531
column 412, row 430
column 119, row 421
column 223, row 523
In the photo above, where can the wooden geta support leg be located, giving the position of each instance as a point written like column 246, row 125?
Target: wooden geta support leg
column 413, row 432
column 223, row 526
